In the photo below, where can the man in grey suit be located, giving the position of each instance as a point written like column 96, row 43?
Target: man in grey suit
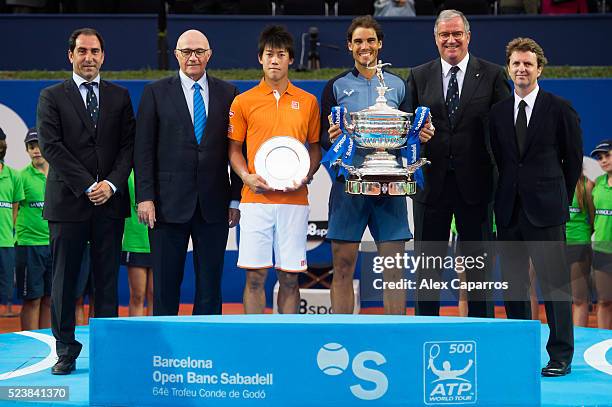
column 460, row 90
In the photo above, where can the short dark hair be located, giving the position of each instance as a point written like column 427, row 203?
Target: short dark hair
column 2, row 149
column 277, row 37
column 84, row 31
column 364, row 22
column 526, row 45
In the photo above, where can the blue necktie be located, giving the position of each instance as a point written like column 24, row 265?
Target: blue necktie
column 199, row 113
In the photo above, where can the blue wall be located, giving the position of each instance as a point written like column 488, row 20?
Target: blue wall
column 40, row 42
column 589, row 97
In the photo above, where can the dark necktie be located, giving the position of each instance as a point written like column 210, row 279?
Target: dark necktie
column 91, row 101
column 452, row 96
column 520, row 127
column 199, row 113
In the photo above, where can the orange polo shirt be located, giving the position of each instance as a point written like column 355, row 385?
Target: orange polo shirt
column 255, row 116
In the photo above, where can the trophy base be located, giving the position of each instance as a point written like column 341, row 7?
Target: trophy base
column 380, row 185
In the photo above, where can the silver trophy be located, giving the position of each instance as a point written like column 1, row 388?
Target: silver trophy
column 380, row 127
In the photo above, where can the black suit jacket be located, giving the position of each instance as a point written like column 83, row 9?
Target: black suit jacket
column 171, row 169
column 484, row 84
column 545, row 176
column 80, row 154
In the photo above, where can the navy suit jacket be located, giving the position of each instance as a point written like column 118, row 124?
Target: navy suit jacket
column 80, row 153
column 544, row 176
column 466, row 143
column 170, row 168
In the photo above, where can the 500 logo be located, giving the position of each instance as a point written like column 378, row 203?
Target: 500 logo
column 449, row 372
column 333, row 359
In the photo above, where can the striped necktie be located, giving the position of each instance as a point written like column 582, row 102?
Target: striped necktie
column 199, row 112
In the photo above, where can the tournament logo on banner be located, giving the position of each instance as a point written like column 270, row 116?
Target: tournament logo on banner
column 449, row 372
column 334, row 359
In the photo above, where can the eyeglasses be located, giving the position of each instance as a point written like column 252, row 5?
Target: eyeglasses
column 446, row 35
column 186, row 52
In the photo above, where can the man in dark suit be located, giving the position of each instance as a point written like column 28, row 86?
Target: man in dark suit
column 182, row 184
column 537, row 144
column 460, row 90
column 86, row 133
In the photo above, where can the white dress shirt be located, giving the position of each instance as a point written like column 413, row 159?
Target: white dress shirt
column 529, row 99
column 187, row 85
column 83, row 90
column 446, row 75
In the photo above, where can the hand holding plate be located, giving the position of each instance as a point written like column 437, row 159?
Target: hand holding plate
column 298, row 185
column 256, row 183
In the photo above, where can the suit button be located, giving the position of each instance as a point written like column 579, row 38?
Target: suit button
column 520, row 165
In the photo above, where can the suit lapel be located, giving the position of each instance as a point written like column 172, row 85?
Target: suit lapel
column 471, row 79
column 438, row 88
column 540, row 108
column 77, row 101
column 180, row 104
column 103, row 104
column 508, row 125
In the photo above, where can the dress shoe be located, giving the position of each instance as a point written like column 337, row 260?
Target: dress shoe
column 556, row 368
column 65, row 365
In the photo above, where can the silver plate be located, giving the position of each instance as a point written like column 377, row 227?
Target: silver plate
column 282, row 161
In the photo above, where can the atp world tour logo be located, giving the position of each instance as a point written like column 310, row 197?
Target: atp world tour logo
column 449, row 372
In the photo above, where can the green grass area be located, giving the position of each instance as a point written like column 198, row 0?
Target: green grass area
column 322, row 74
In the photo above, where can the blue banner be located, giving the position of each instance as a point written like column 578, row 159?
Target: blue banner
column 292, row 360
column 341, row 149
column 412, row 151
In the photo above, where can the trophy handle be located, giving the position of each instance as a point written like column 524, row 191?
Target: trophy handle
column 418, row 164
column 351, row 169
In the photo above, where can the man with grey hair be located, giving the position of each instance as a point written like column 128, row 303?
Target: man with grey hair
column 180, row 154
column 460, row 90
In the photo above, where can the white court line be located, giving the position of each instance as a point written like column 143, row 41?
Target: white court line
column 36, row 367
column 595, row 356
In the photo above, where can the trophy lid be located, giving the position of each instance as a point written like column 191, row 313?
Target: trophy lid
column 381, row 109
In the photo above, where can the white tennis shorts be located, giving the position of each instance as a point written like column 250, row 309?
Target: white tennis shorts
column 268, row 228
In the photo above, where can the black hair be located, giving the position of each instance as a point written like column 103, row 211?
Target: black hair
column 277, row 37
column 84, row 31
column 2, row 150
